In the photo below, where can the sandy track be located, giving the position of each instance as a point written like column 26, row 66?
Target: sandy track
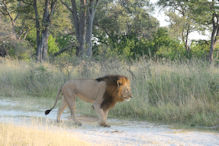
column 142, row 133
column 125, row 132
column 121, row 132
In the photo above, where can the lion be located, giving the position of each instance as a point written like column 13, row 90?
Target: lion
column 103, row 93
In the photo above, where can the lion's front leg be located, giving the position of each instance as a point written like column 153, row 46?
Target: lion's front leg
column 105, row 118
column 101, row 115
column 106, row 114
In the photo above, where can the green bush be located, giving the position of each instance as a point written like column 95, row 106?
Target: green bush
column 200, row 49
column 52, row 45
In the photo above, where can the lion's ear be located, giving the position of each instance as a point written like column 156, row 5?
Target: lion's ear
column 119, row 82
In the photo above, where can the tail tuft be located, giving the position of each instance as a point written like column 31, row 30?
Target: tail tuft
column 47, row 112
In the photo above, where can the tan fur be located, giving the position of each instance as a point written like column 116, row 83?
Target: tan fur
column 103, row 93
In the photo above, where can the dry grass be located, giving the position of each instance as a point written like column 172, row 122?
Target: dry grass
column 169, row 92
column 12, row 135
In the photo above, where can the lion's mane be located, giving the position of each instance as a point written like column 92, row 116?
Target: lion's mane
column 113, row 91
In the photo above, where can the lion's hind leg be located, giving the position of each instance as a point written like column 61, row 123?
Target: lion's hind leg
column 71, row 102
column 61, row 109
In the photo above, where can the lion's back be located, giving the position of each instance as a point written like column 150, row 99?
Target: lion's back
column 86, row 89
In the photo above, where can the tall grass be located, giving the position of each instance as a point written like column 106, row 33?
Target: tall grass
column 170, row 92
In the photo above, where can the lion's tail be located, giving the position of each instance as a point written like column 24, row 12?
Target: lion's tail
column 57, row 98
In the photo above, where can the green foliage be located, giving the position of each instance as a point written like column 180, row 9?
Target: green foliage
column 200, row 49
column 31, row 37
column 52, row 45
column 122, row 29
column 20, row 50
column 162, row 46
column 126, row 17
column 129, row 46
column 166, row 47
column 12, row 46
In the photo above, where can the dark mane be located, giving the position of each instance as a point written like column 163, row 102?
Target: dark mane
column 111, row 79
column 110, row 95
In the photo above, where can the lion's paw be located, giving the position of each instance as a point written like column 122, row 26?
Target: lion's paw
column 104, row 125
column 78, row 123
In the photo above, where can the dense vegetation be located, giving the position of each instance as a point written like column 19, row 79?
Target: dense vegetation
column 41, row 30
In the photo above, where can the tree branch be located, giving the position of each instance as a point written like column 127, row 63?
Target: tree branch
column 3, row 13
column 66, row 5
column 18, row 5
column 27, row 3
column 64, row 49
column 52, row 8
column 7, row 12
column 75, row 18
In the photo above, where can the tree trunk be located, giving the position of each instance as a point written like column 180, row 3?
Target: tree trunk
column 80, row 49
column 45, row 24
column 38, row 39
column 214, row 35
column 90, row 20
column 83, row 18
column 43, row 34
column 82, row 26
column 187, row 38
column 212, row 44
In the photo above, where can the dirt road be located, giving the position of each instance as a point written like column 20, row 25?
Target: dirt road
column 121, row 132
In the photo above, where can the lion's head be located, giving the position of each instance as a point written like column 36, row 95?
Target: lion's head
column 124, row 89
column 117, row 90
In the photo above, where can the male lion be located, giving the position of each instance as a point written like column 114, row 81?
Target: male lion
column 103, row 93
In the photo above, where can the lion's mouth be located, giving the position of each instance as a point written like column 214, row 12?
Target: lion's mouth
column 127, row 99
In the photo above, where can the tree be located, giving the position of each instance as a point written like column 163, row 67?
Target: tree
column 10, row 44
column 214, row 11
column 124, row 26
column 181, row 22
column 42, row 33
column 206, row 14
column 167, row 47
column 8, row 8
column 83, row 13
column 20, row 16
